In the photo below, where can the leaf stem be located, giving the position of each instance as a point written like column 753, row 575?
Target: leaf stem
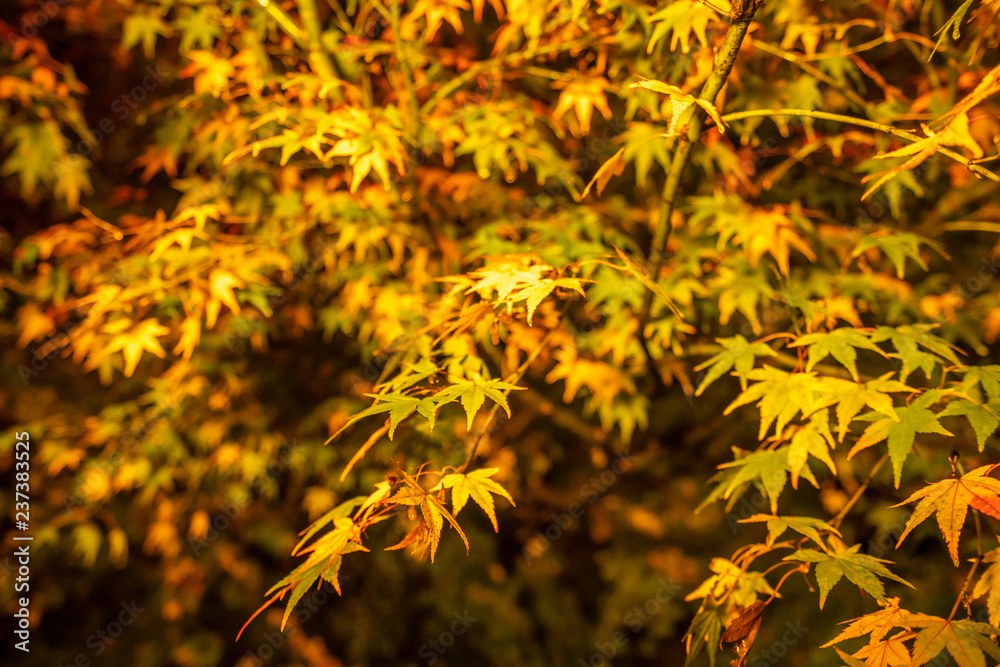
column 836, row 521
column 291, row 28
column 965, row 586
column 861, row 122
column 510, row 379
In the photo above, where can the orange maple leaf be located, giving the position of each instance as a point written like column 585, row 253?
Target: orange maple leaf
column 950, row 500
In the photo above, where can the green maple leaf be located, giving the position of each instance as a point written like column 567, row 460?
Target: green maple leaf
column 842, row 344
column 916, row 418
column 399, row 408
column 909, row 339
column 36, row 148
column 804, row 525
column 898, row 246
column 984, row 419
column 738, row 354
column 965, row 640
column 143, row 28
column 478, row 486
column 850, row 397
column 201, row 27
column 705, row 631
column 644, row 146
column 767, row 469
column 473, row 393
column 812, row 439
column 953, row 25
column 861, row 570
column 781, row 396
column 985, row 377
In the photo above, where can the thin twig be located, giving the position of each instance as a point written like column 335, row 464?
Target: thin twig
column 862, row 122
column 318, row 57
column 835, row 522
column 510, row 379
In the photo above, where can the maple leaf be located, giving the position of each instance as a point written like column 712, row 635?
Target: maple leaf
column 954, row 133
column 804, row 525
column 143, row 28
column 534, row 294
column 742, row 631
column 399, row 408
column 681, row 102
column 323, row 561
column 478, row 486
column 887, row 652
column 985, row 377
column 34, row 324
column 731, row 582
column 682, row 18
column 190, row 335
column 908, row 339
column 473, row 393
column 781, row 395
column 841, row 343
column 988, row 586
column 860, row 569
column 433, row 512
column 738, row 354
column 221, row 284
column 768, row 469
column 614, row 166
column 211, row 73
column 812, row 439
column 950, row 500
column 850, row 397
column 877, row 624
column 897, row 246
column 965, row 640
column 138, row 338
column 900, row 434
column 705, row 631
column 984, row 419
column 583, row 94
column 759, row 231
column 435, row 12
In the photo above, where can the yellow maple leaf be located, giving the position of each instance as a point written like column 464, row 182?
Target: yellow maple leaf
column 435, row 12
column 583, row 95
column 955, row 133
column 190, row 335
column 139, row 338
column 211, row 73
column 33, row 324
column 221, row 284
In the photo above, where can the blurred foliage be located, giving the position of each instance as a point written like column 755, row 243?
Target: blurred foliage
column 643, row 327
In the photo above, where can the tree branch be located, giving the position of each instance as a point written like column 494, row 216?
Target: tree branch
column 861, row 122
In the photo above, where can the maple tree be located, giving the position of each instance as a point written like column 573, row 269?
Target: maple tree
column 689, row 292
